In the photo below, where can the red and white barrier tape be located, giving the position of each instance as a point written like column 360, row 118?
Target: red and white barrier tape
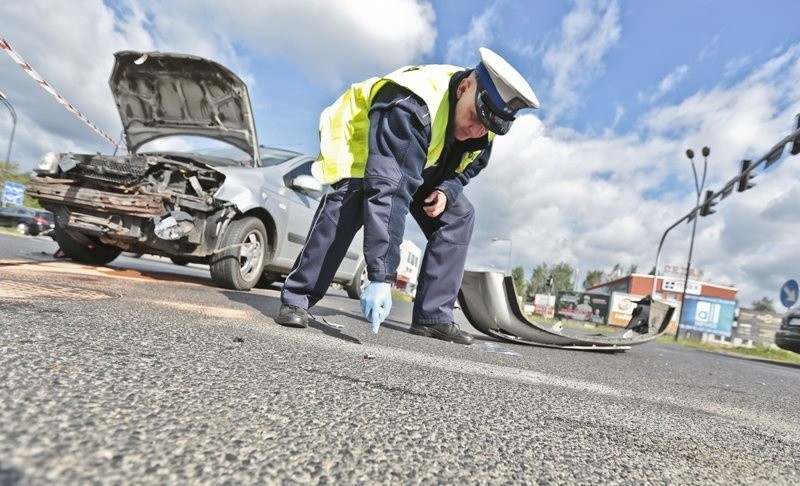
column 44, row 84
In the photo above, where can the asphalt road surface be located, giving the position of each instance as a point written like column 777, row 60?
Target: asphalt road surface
column 143, row 372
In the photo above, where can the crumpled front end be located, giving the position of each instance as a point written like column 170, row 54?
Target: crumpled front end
column 122, row 200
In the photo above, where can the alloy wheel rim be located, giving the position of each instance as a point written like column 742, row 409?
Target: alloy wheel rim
column 250, row 255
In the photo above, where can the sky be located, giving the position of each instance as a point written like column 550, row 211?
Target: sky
column 593, row 178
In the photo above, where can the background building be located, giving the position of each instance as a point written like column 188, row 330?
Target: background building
column 710, row 308
column 408, row 270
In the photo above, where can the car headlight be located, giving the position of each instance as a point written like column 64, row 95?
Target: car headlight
column 48, row 164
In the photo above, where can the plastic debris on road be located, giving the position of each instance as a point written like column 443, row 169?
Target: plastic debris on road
column 492, row 347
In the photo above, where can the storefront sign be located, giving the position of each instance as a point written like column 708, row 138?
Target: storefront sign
column 709, row 315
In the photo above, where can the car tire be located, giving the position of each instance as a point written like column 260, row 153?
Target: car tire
column 240, row 264
column 92, row 252
column 23, row 228
column 360, row 281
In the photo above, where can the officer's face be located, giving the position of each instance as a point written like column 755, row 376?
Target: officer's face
column 467, row 124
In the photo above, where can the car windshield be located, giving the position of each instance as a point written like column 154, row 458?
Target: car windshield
column 269, row 155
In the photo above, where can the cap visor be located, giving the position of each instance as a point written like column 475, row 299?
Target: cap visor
column 489, row 118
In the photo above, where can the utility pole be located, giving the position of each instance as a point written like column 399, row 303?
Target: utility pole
column 699, row 189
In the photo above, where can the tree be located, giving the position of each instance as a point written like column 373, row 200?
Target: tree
column 616, row 272
column 593, row 277
column 518, row 274
column 765, row 304
column 562, row 277
column 536, row 284
column 632, row 269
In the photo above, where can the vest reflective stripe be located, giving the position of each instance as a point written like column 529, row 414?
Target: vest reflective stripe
column 344, row 126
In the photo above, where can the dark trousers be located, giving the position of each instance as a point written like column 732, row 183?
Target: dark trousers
column 339, row 217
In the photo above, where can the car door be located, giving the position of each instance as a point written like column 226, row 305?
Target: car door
column 8, row 216
column 300, row 208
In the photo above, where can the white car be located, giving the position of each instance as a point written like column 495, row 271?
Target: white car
column 244, row 210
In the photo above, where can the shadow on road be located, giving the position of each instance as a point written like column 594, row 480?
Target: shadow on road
column 269, row 307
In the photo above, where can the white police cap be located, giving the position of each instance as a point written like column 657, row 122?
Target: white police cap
column 501, row 93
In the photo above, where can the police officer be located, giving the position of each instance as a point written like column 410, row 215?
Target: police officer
column 408, row 141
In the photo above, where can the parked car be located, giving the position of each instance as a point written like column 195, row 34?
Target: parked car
column 788, row 336
column 243, row 209
column 27, row 221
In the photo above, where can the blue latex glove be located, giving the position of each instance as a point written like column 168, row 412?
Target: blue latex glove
column 376, row 303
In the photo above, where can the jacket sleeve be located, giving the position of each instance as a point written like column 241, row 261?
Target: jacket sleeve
column 398, row 145
column 454, row 186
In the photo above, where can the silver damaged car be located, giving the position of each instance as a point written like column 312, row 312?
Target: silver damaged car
column 242, row 209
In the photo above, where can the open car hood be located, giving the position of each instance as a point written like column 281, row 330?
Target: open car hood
column 163, row 94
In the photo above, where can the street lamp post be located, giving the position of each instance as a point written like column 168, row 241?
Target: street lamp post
column 698, row 185
column 508, row 265
column 13, row 128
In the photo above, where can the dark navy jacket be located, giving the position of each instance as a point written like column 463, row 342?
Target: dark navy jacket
column 400, row 132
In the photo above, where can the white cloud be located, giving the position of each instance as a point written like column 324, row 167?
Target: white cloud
column 666, row 85
column 709, row 50
column 71, row 44
column 588, row 32
column 462, row 50
column 332, row 41
column 597, row 201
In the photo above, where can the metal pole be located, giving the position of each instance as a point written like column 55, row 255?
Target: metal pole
column 699, row 189
column 547, row 304
column 13, row 129
column 661, row 245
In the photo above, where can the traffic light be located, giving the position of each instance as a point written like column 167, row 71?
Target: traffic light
column 550, row 282
column 745, row 177
column 708, row 203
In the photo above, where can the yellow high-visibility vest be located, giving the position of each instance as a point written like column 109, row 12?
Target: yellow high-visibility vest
column 344, row 126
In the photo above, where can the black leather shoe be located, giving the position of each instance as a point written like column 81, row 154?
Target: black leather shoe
column 445, row 332
column 292, row 316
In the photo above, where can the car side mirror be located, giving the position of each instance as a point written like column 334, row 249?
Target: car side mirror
column 306, row 183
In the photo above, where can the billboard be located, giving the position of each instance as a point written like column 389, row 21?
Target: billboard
column 620, row 308
column 708, row 314
column 582, row 307
column 757, row 326
column 544, row 305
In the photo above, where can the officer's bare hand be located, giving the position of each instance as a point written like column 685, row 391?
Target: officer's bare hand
column 435, row 204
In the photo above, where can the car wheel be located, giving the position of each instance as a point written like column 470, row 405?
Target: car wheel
column 22, row 228
column 88, row 250
column 359, row 283
column 240, row 264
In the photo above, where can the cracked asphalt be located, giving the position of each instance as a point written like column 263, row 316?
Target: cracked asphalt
column 144, row 373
